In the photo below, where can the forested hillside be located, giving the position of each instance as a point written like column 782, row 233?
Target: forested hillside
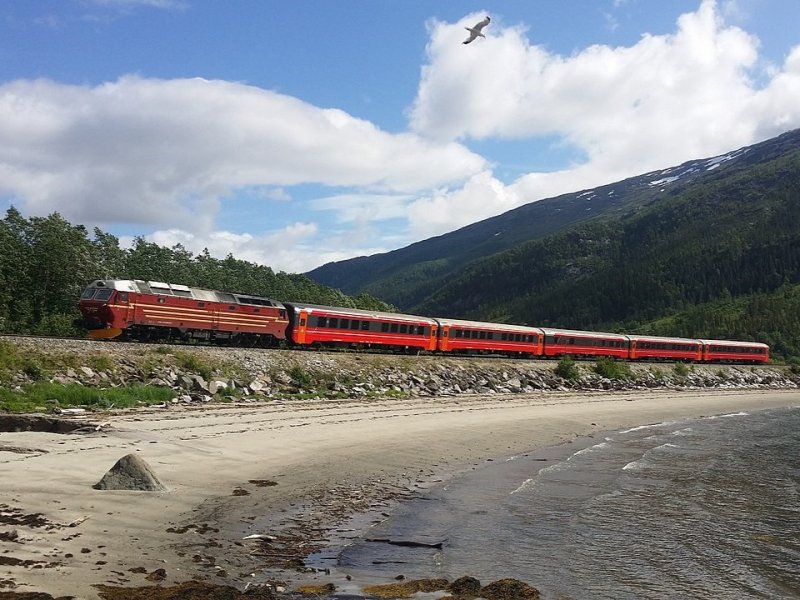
column 405, row 277
column 720, row 259
column 46, row 262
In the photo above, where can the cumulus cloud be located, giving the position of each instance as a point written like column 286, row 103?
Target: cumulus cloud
column 159, row 152
column 481, row 197
column 296, row 248
column 666, row 99
column 277, row 248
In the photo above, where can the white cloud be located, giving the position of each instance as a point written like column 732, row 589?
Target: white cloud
column 664, row 100
column 363, row 207
column 276, row 248
column 296, row 248
column 481, row 197
column 153, row 151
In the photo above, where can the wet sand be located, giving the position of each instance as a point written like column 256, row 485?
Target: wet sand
column 253, row 488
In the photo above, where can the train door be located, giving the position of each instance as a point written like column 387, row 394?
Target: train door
column 301, row 326
column 127, row 308
column 539, row 341
column 443, row 337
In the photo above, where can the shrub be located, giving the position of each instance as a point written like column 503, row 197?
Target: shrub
column 611, row 369
column 681, row 370
column 192, row 362
column 100, row 362
column 300, row 376
column 567, row 369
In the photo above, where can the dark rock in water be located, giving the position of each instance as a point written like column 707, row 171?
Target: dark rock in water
column 130, row 473
column 465, row 587
column 509, row 589
column 406, row 543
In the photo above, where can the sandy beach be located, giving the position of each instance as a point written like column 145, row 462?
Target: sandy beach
column 255, row 487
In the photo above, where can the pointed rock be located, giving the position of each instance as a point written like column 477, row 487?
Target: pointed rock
column 130, row 473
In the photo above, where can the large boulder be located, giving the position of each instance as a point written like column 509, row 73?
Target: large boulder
column 130, row 473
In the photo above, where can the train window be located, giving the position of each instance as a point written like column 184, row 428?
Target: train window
column 364, row 325
column 88, row 294
column 322, row 321
column 333, row 322
column 123, row 296
column 393, row 327
column 403, row 328
column 302, row 322
column 103, row 294
column 344, row 323
column 384, row 327
column 355, row 324
column 282, row 313
column 503, row 337
column 183, row 293
column 570, row 340
column 458, row 333
column 517, row 337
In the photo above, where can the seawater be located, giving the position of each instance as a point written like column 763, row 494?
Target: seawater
column 702, row 508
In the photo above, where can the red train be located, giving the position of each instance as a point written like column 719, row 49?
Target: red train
column 150, row 310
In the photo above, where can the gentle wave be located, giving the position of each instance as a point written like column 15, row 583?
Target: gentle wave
column 651, row 426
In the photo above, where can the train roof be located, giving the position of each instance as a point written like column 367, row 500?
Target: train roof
column 594, row 334
column 661, row 338
column 485, row 325
column 357, row 312
column 184, row 291
column 735, row 343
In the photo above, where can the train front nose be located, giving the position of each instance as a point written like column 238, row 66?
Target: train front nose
column 95, row 315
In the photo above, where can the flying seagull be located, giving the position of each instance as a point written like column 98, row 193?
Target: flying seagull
column 475, row 32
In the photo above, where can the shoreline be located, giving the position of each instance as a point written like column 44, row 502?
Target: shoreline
column 302, row 475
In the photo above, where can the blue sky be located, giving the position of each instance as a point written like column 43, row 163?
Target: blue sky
column 296, row 133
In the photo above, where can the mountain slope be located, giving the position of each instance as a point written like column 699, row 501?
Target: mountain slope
column 735, row 233
column 407, row 276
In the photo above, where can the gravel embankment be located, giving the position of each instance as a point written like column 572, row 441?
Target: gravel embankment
column 206, row 373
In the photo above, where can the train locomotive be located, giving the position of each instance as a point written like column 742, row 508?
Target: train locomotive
column 156, row 311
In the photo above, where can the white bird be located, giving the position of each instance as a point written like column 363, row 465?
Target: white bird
column 475, row 32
